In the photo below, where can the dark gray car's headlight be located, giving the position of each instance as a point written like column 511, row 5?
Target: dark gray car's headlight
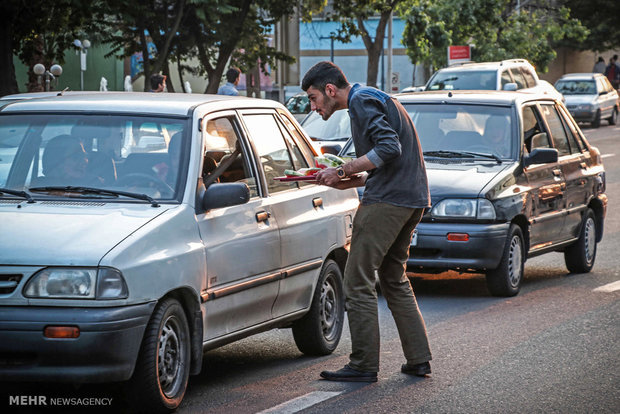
column 480, row 208
column 77, row 283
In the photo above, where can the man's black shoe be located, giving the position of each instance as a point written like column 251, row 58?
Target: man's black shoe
column 419, row 370
column 349, row 374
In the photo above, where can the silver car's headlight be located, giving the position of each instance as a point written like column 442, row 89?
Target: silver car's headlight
column 77, row 283
column 480, row 208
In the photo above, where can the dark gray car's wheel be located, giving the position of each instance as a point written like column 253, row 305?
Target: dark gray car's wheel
column 506, row 279
column 319, row 331
column 614, row 117
column 597, row 120
column 162, row 370
column 580, row 256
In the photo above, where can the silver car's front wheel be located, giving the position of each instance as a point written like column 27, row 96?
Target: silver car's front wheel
column 580, row 256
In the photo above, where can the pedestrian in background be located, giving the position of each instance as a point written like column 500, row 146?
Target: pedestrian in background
column 599, row 66
column 230, row 88
column 158, row 82
column 395, row 196
column 613, row 72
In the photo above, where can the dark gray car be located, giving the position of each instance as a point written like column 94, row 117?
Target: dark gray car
column 511, row 176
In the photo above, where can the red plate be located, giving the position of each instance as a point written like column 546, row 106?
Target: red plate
column 299, row 178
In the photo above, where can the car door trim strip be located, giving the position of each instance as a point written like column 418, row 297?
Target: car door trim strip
column 215, row 293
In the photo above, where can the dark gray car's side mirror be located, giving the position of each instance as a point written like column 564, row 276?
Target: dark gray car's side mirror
column 331, row 149
column 541, row 156
column 225, row 195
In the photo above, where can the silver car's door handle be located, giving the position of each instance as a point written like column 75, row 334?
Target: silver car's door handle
column 317, row 202
column 557, row 172
column 262, row 216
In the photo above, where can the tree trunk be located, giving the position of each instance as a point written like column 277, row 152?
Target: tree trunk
column 8, row 81
column 374, row 47
column 169, row 85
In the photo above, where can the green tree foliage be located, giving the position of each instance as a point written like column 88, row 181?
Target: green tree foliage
column 601, row 19
column 37, row 31
column 353, row 18
column 494, row 27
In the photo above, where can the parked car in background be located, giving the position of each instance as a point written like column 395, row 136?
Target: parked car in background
column 511, row 176
column 331, row 135
column 590, row 97
column 121, row 261
column 513, row 74
column 298, row 105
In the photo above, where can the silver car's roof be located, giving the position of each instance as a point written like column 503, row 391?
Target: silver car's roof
column 175, row 104
column 485, row 97
column 588, row 76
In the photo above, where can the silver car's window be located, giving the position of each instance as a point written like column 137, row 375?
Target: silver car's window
column 114, row 152
column 506, row 78
column 529, row 77
column 222, row 147
column 519, row 79
column 558, row 134
column 476, row 128
column 271, row 148
column 453, row 80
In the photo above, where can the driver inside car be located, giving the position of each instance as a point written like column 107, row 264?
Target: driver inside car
column 65, row 162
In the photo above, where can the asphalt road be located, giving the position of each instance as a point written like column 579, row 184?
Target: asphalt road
column 554, row 348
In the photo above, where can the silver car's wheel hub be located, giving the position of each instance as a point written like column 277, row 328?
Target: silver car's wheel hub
column 590, row 239
column 515, row 260
column 328, row 308
column 169, row 357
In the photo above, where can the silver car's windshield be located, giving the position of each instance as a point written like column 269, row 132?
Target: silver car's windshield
column 576, row 87
column 336, row 128
column 122, row 153
column 466, row 80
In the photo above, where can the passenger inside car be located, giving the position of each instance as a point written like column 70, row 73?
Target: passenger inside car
column 65, row 162
column 497, row 135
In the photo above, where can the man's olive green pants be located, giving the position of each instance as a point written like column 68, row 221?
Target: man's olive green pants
column 380, row 242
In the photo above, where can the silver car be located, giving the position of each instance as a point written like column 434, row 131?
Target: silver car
column 140, row 230
column 590, row 97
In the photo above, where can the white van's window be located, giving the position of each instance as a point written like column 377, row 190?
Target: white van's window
column 272, row 150
column 44, row 154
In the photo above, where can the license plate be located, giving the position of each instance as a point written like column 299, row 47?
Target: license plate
column 414, row 239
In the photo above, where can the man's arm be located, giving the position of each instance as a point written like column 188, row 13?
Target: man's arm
column 329, row 176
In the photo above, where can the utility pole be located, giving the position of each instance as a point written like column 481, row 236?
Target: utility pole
column 388, row 89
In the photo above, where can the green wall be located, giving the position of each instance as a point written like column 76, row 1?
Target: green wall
column 97, row 66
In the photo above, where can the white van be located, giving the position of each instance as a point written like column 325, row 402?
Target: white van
column 139, row 230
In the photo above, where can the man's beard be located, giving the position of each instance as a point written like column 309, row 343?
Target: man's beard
column 330, row 105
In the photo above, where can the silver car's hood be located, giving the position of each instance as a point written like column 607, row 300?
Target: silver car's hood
column 579, row 99
column 43, row 234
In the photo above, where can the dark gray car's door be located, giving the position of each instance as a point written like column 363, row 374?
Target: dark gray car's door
column 546, row 182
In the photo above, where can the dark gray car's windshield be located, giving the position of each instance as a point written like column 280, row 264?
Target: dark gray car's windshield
column 120, row 154
column 463, row 128
column 576, row 87
column 465, row 80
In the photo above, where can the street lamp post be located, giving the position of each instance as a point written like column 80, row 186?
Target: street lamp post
column 83, row 45
column 53, row 73
column 331, row 50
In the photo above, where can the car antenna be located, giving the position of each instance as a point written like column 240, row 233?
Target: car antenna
column 63, row 91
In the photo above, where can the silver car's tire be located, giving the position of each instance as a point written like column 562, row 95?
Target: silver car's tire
column 506, row 279
column 318, row 331
column 597, row 119
column 160, row 378
column 580, row 256
column 613, row 119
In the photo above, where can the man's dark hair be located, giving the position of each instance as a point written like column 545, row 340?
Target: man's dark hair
column 232, row 74
column 156, row 80
column 319, row 75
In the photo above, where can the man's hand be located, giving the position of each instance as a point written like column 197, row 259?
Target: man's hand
column 328, row 177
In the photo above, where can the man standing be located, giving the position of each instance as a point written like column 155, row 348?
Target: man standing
column 394, row 199
column 158, row 82
column 230, row 88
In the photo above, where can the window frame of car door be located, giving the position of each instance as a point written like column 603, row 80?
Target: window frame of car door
column 545, row 221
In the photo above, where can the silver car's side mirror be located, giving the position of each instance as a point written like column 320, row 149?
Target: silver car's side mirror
column 511, row 86
column 220, row 195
